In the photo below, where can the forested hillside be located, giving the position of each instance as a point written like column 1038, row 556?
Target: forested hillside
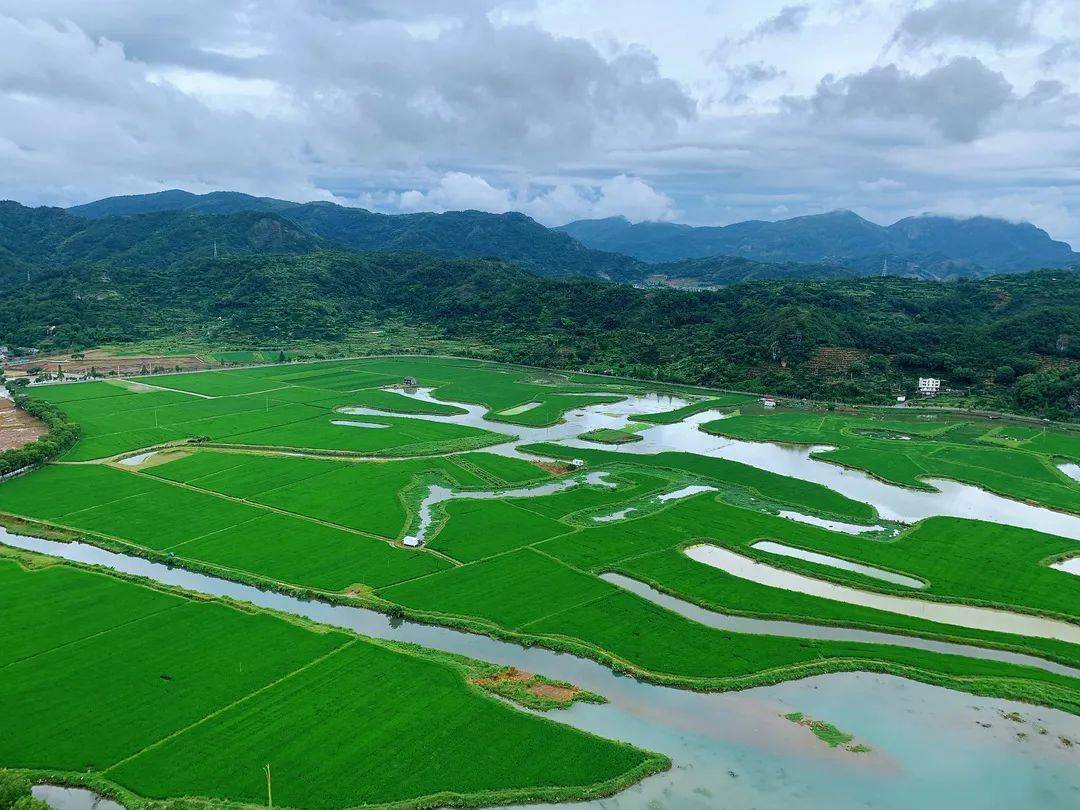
column 924, row 246
column 921, row 247
column 161, row 229
column 1015, row 339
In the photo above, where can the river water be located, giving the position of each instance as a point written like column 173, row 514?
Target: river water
column 979, row 618
column 892, row 502
column 931, row 747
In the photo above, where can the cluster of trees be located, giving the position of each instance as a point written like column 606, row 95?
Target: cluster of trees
column 1015, row 339
column 15, row 793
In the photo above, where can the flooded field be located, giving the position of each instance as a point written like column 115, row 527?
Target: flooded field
column 893, row 503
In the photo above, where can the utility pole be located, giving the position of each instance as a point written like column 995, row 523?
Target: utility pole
column 215, row 250
column 269, row 791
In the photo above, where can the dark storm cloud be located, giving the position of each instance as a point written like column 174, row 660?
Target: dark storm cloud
column 790, row 20
column 997, row 22
column 557, row 109
column 957, row 98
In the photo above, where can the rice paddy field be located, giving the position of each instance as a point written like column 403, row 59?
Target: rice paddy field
column 202, row 679
column 417, row 508
column 1017, row 461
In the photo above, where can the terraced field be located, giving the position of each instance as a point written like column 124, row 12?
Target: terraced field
column 258, row 475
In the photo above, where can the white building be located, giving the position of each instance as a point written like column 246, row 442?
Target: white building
column 766, row 402
column 929, row 386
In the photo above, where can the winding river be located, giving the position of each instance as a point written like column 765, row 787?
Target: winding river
column 930, row 747
column 895, row 503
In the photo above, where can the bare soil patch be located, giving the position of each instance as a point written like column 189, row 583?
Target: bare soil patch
column 17, row 427
column 553, row 467
column 105, row 364
column 549, row 690
column 533, row 684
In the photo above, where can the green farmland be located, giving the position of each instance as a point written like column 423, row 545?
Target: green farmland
column 198, row 678
column 243, row 475
column 1016, row 461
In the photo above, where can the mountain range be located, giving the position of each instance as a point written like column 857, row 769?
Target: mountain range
column 227, row 269
column 835, row 244
column 160, row 229
column 924, row 246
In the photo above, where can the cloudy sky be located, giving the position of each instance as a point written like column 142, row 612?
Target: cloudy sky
column 700, row 111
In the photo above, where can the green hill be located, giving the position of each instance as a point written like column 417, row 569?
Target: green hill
column 160, row 229
column 923, row 246
column 850, row 339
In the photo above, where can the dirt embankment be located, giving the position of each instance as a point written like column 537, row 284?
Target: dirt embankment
column 17, row 427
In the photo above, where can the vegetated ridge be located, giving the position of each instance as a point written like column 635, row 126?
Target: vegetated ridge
column 1010, row 339
column 924, row 246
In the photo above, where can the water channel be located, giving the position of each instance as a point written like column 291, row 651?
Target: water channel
column 894, row 503
column 930, row 747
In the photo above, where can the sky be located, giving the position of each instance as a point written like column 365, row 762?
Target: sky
column 697, row 111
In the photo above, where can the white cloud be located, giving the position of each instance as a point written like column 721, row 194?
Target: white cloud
column 1047, row 208
column 458, row 191
column 882, row 184
column 630, row 197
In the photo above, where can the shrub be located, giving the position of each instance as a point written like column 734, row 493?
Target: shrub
column 13, row 787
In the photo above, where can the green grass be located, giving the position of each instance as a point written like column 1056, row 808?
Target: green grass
column 673, row 572
column 511, row 590
column 432, row 737
column 170, row 697
column 826, row 732
column 501, row 470
column 307, row 554
column 610, row 436
column 805, row 495
column 402, row 436
column 530, row 565
column 478, row 529
column 213, row 383
column 277, row 405
column 241, row 536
